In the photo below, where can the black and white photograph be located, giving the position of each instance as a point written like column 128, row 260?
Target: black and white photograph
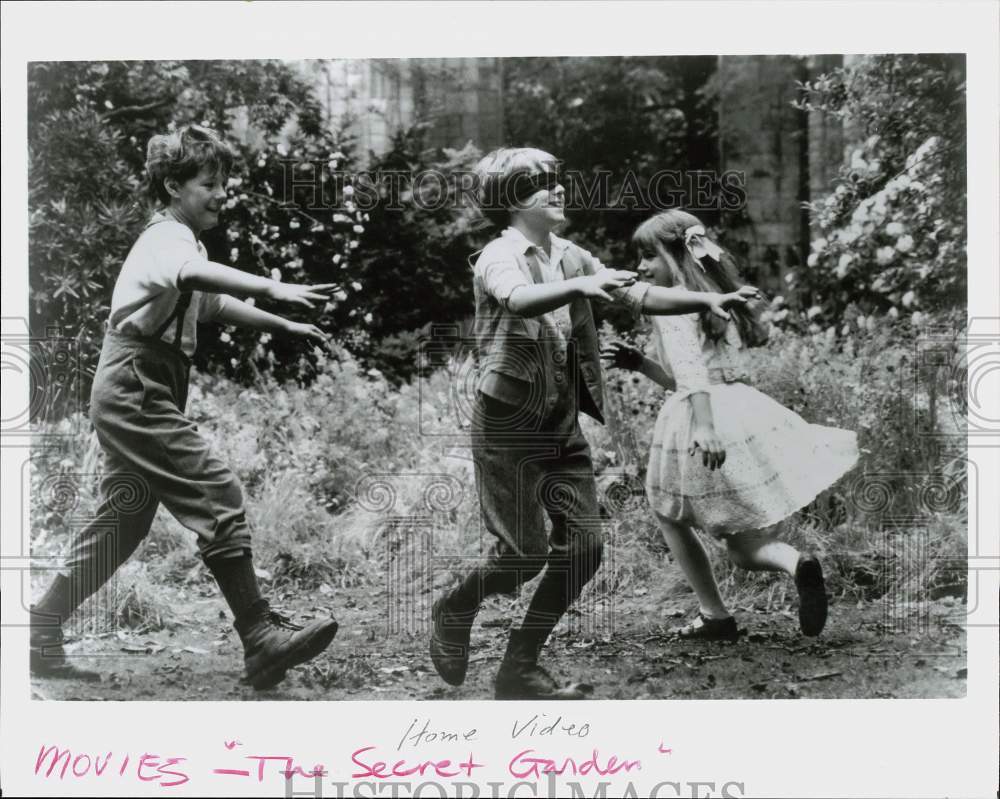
column 610, row 384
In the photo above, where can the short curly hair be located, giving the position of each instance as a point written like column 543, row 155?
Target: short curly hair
column 498, row 175
column 181, row 155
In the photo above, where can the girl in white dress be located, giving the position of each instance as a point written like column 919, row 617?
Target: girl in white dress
column 759, row 462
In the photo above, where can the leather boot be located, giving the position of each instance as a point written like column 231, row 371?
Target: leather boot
column 450, row 641
column 46, row 655
column 520, row 676
column 272, row 644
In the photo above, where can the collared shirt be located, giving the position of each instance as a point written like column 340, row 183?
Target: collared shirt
column 501, row 274
column 524, row 359
column 146, row 291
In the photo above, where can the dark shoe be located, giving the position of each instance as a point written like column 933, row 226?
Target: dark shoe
column 520, row 676
column 812, row 595
column 272, row 644
column 450, row 642
column 47, row 657
column 705, row 629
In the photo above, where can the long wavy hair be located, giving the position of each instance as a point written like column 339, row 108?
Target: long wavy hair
column 663, row 235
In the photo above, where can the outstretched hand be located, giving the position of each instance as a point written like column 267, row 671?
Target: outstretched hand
column 296, row 294
column 719, row 302
column 306, row 330
column 619, row 355
column 597, row 285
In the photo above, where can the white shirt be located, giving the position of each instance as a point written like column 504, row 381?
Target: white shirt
column 146, row 291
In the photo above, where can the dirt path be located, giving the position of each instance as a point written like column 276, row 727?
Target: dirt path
column 856, row 657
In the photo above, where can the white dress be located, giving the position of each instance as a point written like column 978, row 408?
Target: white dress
column 776, row 462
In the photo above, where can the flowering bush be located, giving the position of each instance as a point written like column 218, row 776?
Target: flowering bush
column 892, row 234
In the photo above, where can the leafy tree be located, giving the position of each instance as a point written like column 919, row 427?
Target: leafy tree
column 89, row 123
column 892, row 235
column 626, row 118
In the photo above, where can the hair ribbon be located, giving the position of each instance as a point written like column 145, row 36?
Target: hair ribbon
column 699, row 245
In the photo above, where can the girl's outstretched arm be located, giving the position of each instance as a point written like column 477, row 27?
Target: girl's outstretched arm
column 662, row 301
column 619, row 355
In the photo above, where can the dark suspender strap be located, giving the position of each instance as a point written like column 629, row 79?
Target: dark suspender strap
column 183, row 301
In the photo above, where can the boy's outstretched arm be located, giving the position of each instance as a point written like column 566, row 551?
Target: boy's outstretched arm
column 204, row 275
column 536, row 299
column 237, row 312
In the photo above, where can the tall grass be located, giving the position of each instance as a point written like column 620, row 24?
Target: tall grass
column 351, row 481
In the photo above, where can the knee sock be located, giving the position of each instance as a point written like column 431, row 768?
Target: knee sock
column 61, row 598
column 565, row 576
column 502, row 577
column 238, row 583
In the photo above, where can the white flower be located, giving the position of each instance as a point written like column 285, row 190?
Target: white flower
column 894, row 229
column 844, row 264
column 336, row 258
column 904, row 243
column 368, row 318
column 282, row 150
column 894, row 312
column 860, row 322
column 778, row 300
column 884, row 255
column 341, row 218
column 356, row 286
column 908, row 299
column 359, row 229
column 916, row 318
column 813, row 312
column 224, row 337
column 354, row 245
column 231, row 203
column 780, row 315
column 340, row 295
column 234, row 183
column 276, row 274
column 234, row 253
column 294, row 224
column 812, row 260
column 333, row 164
column 261, row 163
column 348, row 191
